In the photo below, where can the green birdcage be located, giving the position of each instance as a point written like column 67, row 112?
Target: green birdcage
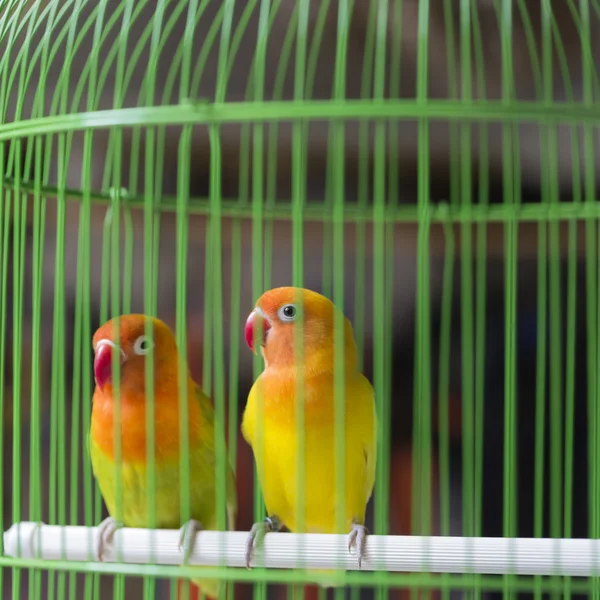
column 428, row 165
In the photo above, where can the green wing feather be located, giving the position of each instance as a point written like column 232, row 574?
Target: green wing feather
column 202, row 488
column 231, row 494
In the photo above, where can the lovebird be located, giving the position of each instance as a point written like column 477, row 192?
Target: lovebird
column 277, row 312
column 133, row 350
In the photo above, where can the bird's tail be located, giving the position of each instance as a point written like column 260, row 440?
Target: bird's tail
column 199, row 589
column 209, row 587
column 327, row 583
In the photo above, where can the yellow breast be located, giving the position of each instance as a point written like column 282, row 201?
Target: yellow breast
column 302, row 493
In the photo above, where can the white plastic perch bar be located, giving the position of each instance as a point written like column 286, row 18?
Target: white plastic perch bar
column 521, row 556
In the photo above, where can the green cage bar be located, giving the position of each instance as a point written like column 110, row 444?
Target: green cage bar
column 428, row 166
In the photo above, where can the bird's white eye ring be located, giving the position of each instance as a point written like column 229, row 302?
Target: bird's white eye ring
column 287, row 313
column 142, row 345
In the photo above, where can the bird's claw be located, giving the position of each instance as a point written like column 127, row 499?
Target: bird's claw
column 106, row 532
column 256, row 535
column 187, row 537
column 357, row 538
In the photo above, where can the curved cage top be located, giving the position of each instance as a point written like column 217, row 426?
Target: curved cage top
column 430, row 165
column 275, row 75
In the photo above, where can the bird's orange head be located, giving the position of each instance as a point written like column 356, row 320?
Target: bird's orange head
column 272, row 324
column 133, row 348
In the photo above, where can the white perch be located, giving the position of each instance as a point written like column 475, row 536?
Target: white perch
column 521, row 556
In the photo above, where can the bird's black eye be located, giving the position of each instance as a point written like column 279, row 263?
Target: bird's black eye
column 142, row 345
column 287, row 312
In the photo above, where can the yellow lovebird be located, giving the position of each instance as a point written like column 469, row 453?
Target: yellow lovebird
column 277, row 312
column 133, row 350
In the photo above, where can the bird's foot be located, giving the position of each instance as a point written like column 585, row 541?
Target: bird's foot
column 106, row 532
column 357, row 539
column 187, row 537
column 257, row 533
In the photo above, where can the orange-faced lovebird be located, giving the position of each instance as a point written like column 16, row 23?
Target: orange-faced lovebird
column 277, row 311
column 133, row 348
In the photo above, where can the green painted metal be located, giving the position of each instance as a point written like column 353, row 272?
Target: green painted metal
column 97, row 96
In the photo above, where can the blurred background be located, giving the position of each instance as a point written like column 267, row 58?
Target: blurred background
column 68, row 57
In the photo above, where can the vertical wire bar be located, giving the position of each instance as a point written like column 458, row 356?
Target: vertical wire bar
column 270, row 201
column 299, row 131
column 327, row 254
column 53, row 412
column 183, row 183
column 481, row 289
column 383, row 430
column 207, row 321
column 185, row 386
column 114, row 232
column 542, row 312
column 444, row 382
column 540, row 410
column 234, row 352
column 395, row 65
column 570, row 370
column 35, row 506
column 114, row 229
column 383, row 409
column 540, row 385
column 591, row 290
column 58, row 351
column 272, row 153
column 182, row 235
column 5, row 212
column 468, row 499
column 596, row 415
column 86, row 346
column 116, row 139
column 104, row 314
column 65, row 144
column 236, row 253
column 216, row 240
column 260, row 590
column 510, row 190
column 19, row 229
column 258, row 258
column 422, row 419
column 338, row 340
column 327, row 258
column 219, row 396
column 556, row 408
column 53, row 450
column 447, row 289
column 35, row 458
column 481, row 317
column 151, row 280
column 234, row 343
column 571, row 337
column 338, row 131
column 127, row 255
column 76, row 412
column 76, row 399
column 150, row 293
column 564, row 486
column 19, row 218
column 452, row 82
column 364, row 149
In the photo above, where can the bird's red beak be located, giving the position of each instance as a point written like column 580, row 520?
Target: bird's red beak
column 252, row 322
column 103, row 362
